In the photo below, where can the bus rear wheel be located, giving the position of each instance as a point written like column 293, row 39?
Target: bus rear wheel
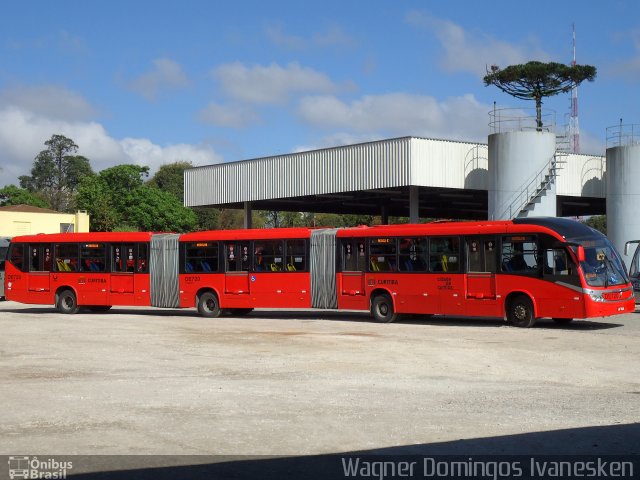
column 67, row 302
column 520, row 312
column 209, row 305
column 382, row 309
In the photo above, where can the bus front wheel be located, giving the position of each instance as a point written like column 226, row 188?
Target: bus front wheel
column 382, row 309
column 520, row 312
column 67, row 302
column 209, row 305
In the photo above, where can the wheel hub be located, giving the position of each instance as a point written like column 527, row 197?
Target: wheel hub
column 520, row 312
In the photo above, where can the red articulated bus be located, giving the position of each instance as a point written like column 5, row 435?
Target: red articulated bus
column 520, row 270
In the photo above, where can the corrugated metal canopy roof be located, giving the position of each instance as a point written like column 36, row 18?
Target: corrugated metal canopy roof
column 449, row 177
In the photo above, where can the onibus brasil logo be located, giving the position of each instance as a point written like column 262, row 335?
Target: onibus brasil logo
column 32, row 467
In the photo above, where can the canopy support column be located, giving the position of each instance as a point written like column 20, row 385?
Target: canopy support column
column 414, row 204
column 247, row 214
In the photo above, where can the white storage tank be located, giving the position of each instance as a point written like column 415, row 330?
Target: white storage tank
column 522, row 174
column 623, row 186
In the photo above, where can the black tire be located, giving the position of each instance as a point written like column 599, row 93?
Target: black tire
column 239, row 312
column 209, row 305
column 562, row 321
column 520, row 312
column 67, row 302
column 382, row 309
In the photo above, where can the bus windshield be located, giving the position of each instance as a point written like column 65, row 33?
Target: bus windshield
column 603, row 266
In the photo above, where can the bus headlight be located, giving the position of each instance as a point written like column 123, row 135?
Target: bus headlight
column 596, row 297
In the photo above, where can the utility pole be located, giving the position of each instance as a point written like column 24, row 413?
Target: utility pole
column 574, row 127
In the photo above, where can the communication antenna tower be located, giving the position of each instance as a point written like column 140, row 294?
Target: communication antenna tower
column 574, row 127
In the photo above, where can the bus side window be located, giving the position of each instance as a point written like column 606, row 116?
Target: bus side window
column 93, row 257
column 412, row 255
column 268, row 256
column 556, row 262
column 201, row 257
column 142, row 262
column 296, row 253
column 349, row 256
column 382, row 255
column 519, row 254
column 444, row 254
column 66, row 257
column 16, row 256
column 122, row 257
column 40, row 257
column 236, row 258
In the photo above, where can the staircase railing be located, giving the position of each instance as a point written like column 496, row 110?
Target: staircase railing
column 533, row 188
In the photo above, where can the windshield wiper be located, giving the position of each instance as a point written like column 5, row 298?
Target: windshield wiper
column 610, row 268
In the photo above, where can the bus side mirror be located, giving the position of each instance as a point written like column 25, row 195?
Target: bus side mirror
column 581, row 255
column 627, row 246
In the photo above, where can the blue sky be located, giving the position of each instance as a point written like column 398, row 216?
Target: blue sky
column 152, row 82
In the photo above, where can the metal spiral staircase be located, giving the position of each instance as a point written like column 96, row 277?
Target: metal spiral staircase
column 536, row 187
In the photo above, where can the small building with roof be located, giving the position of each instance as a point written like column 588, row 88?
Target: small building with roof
column 25, row 220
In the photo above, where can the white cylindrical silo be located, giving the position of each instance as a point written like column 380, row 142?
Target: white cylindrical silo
column 519, row 174
column 623, row 196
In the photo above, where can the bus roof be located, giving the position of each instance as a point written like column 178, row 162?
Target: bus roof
column 85, row 237
column 453, row 228
column 247, row 234
column 561, row 228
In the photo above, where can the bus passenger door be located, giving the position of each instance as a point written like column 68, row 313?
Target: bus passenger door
column 237, row 280
column 351, row 277
column 39, row 267
column 122, row 274
column 481, row 274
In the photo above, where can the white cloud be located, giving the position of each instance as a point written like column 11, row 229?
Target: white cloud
column 271, row 84
column 234, row 116
column 144, row 152
column 281, row 39
column 23, row 133
column 400, row 114
column 338, row 139
column 333, row 37
column 473, row 52
column 628, row 69
column 48, row 100
column 165, row 74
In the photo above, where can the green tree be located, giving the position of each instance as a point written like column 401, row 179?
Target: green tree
column 95, row 196
column 12, row 195
column 536, row 80
column 599, row 222
column 57, row 173
column 157, row 210
column 118, row 199
column 170, row 178
column 277, row 219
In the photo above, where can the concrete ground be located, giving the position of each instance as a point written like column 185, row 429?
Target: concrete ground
column 151, row 381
